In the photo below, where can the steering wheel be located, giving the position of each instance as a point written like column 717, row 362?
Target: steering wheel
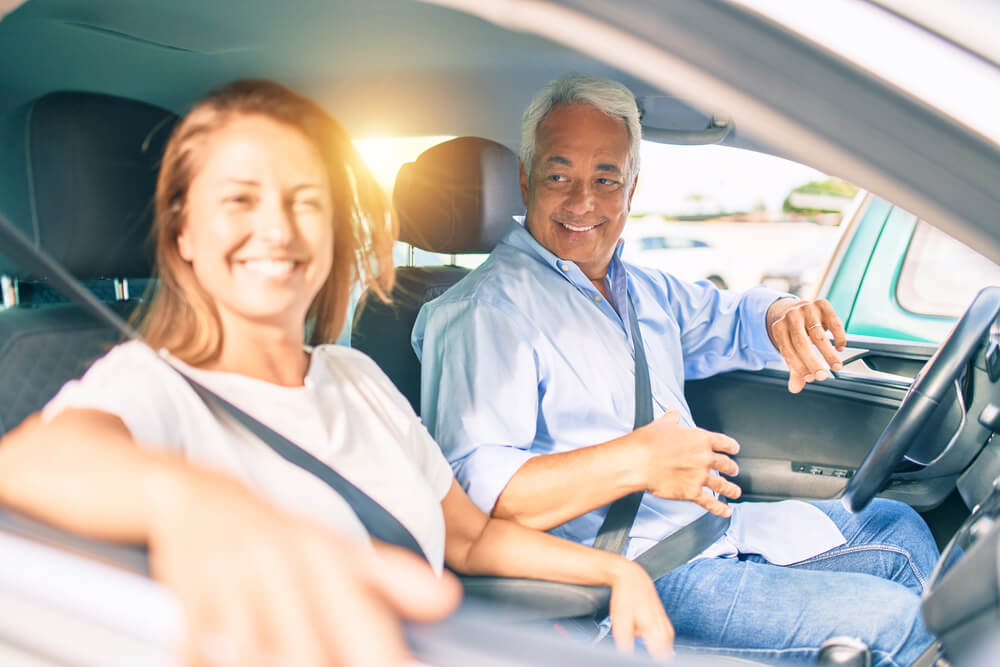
column 925, row 394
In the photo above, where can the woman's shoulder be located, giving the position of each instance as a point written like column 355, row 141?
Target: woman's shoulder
column 347, row 358
column 126, row 361
column 361, row 370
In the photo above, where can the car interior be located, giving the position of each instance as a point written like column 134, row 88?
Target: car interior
column 78, row 172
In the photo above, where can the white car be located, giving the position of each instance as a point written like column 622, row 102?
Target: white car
column 675, row 251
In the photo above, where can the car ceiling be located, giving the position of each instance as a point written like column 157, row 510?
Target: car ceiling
column 393, row 67
column 404, row 68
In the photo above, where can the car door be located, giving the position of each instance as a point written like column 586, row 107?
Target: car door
column 899, row 285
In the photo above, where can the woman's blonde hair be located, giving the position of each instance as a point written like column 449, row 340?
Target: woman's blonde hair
column 178, row 314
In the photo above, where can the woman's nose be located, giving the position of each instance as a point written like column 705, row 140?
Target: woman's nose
column 275, row 223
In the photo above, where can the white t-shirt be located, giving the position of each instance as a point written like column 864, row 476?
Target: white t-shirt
column 348, row 415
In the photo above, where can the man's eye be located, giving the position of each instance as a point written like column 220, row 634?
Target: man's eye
column 607, row 181
column 557, row 178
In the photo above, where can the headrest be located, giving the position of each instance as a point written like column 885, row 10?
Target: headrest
column 89, row 165
column 458, row 196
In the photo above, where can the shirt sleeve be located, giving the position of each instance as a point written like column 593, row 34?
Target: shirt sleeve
column 721, row 330
column 479, row 392
column 128, row 383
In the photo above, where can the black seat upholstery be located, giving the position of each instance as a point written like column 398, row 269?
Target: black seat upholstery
column 458, row 197
column 79, row 176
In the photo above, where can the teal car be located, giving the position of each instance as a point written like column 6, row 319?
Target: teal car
column 896, row 277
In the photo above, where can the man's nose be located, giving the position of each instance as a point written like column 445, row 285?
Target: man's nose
column 580, row 198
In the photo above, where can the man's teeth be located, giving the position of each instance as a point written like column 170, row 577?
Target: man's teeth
column 574, row 228
column 269, row 268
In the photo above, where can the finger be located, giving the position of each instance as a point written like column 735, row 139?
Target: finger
column 713, row 504
column 833, row 323
column 672, row 415
column 623, row 629
column 724, row 444
column 725, row 465
column 724, row 486
column 297, row 635
column 409, row 585
column 802, row 344
column 357, row 624
column 817, row 334
column 658, row 636
column 796, row 369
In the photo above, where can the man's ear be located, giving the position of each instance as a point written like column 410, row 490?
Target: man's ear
column 635, row 182
column 524, row 182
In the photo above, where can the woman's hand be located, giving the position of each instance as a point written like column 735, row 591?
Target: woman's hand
column 260, row 587
column 636, row 611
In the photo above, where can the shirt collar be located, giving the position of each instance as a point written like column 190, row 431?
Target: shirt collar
column 520, row 238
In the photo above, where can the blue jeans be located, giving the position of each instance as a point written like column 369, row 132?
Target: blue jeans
column 868, row 588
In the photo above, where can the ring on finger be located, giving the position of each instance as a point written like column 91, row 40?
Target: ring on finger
column 813, row 326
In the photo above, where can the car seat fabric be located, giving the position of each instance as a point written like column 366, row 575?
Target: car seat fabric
column 87, row 163
column 457, row 197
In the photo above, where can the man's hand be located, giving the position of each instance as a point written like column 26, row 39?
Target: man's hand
column 681, row 461
column 797, row 329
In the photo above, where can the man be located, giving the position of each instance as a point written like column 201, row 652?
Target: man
column 529, row 386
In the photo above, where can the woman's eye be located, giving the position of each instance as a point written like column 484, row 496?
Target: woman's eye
column 308, row 204
column 239, row 200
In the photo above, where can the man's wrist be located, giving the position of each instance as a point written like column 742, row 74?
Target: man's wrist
column 775, row 312
column 632, row 454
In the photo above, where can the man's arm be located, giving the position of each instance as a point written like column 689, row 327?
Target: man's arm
column 480, row 401
column 665, row 458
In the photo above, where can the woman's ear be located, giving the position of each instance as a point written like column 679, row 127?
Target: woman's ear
column 184, row 248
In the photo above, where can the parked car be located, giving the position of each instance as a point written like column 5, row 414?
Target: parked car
column 667, row 248
column 916, row 127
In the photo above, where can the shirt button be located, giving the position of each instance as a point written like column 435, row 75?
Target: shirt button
column 597, row 298
column 564, row 266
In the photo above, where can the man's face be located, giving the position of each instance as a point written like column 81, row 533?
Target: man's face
column 577, row 197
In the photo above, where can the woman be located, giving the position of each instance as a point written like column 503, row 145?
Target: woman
column 264, row 217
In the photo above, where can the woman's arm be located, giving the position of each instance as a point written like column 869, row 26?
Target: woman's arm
column 256, row 584
column 477, row 544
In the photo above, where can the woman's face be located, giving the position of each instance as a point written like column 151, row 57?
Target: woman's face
column 258, row 229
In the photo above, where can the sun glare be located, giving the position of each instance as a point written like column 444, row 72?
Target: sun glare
column 385, row 155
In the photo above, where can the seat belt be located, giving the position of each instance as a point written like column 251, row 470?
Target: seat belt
column 680, row 546
column 379, row 522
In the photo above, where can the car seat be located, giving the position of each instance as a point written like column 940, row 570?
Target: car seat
column 458, row 197
column 79, row 174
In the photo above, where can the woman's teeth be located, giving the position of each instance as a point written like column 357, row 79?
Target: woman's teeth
column 574, row 228
column 269, row 268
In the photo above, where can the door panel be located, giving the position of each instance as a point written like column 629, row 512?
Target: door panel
column 807, row 445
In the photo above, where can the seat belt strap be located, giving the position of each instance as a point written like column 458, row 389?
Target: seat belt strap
column 613, row 534
column 379, row 522
column 682, row 545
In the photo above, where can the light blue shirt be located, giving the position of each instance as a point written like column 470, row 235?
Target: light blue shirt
column 524, row 357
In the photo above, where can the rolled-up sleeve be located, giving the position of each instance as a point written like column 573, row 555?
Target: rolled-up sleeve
column 479, row 392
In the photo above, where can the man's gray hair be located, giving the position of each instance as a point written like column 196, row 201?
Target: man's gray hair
column 606, row 95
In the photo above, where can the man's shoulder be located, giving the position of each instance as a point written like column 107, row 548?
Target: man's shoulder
column 496, row 282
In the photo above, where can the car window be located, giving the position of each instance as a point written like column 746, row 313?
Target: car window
column 940, row 275
column 735, row 217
